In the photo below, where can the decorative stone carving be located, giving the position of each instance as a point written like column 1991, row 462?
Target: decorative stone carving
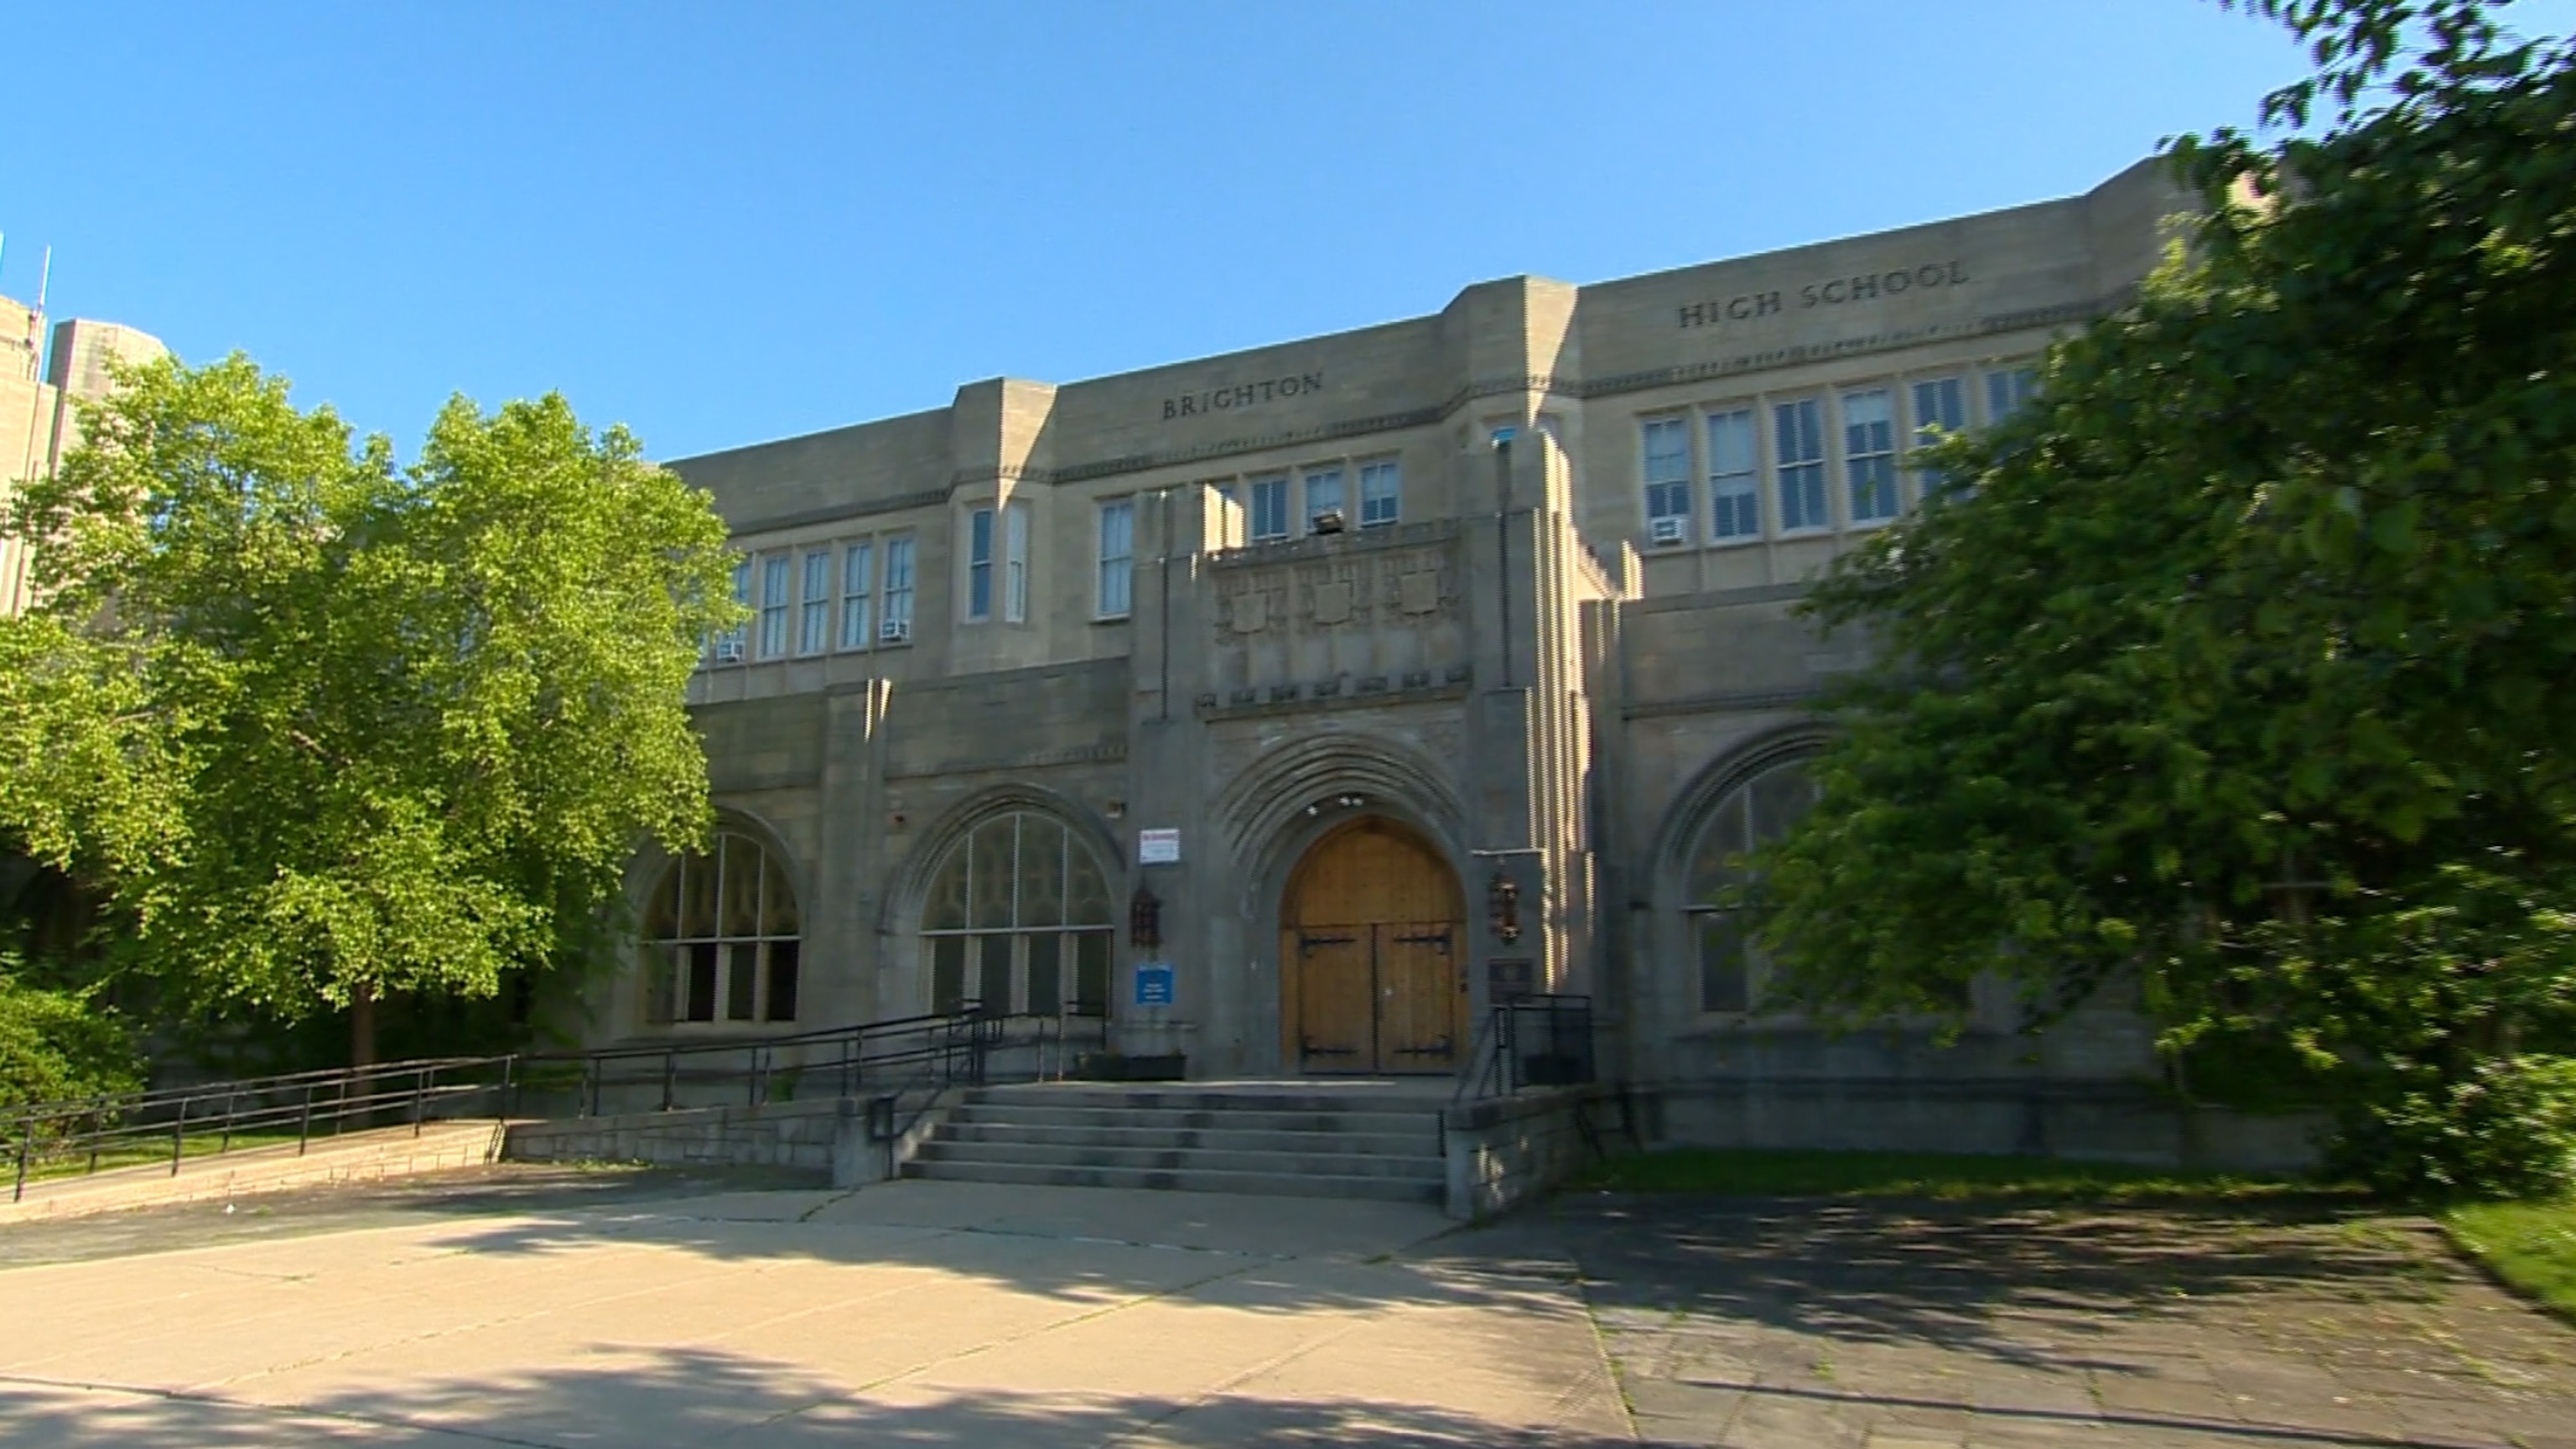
column 1333, row 602
column 1418, row 591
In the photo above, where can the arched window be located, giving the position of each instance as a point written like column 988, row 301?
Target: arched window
column 721, row 937
column 1019, row 920
column 1756, row 812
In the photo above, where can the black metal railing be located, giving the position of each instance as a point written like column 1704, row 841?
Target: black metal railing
column 961, row 1047
column 1531, row 1041
column 906, row 1059
column 131, row 1129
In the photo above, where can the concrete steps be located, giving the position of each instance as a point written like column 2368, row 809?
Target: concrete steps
column 1281, row 1139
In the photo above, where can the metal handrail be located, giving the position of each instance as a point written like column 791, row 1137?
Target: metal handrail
column 943, row 1049
column 128, row 1128
column 1506, row 1056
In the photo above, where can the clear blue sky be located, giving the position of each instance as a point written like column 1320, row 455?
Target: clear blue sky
column 728, row 221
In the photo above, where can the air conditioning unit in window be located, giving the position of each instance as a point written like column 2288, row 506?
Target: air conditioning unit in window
column 895, row 631
column 728, row 651
column 1666, row 532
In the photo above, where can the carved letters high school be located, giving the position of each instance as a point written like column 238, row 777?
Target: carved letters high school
column 1494, row 604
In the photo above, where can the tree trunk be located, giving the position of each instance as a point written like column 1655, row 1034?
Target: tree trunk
column 362, row 1026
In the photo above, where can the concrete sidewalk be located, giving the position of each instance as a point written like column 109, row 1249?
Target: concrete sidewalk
column 912, row 1313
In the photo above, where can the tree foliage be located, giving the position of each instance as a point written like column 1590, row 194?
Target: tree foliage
column 321, row 728
column 57, row 1043
column 2244, row 658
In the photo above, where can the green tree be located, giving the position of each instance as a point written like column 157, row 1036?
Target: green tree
column 2242, row 662
column 318, row 728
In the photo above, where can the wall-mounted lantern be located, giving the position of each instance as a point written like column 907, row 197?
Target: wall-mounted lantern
column 1145, row 919
column 1503, row 908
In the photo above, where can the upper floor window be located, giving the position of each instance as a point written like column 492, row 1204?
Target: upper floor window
column 1869, row 454
column 979, row 564
column 1798, row 436
column 1667, row 454
column 814, row 603
column 729, row 644
column 1015, row 555
column 1269, row 509
column 858, row 594
column 897, row 627
column 775, row 579
column 1381, row 491
column 1940, row 409
column 1734, row 489
column 2007, row 390
column 1117, row 557
column 1323, row 494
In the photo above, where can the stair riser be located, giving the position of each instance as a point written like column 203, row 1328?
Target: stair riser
column 1419, row 1169
column 1157, row 1100
column 1281, row 1185
column 1387, row 1124
column 1225, row 1139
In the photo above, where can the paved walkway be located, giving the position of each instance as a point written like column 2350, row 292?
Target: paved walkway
column 910, row 1314
column 553, row 1307
column 1844, row 1325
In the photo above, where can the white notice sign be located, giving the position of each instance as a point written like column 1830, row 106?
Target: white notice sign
column 1158, row 847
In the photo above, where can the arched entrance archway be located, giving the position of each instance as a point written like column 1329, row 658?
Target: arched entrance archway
column 1372, row 957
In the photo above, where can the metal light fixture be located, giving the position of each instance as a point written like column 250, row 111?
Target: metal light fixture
column 1503, row 908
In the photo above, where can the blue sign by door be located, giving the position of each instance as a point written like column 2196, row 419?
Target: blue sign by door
column 1154, row 983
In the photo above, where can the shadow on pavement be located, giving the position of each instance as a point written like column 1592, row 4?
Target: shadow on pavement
column 698, row 1397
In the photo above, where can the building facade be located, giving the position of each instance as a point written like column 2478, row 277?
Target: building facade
column 1294, row 705
column 39, row 421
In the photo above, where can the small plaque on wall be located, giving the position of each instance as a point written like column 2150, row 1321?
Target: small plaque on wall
column 1509, row 979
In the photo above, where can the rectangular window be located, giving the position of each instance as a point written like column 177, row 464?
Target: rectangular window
column 1668, row 469
column 1798, row 439
column 1117, row 556
column 776, row 576
column 1734, row 487
column 898, row 591
column 979, row 564
column 1269, row 509
column 780, row 1001
column 858, row 592
column 1015, row 538
column 1229, row 527
column 729, row 644
column 2007, row 390
column 1940, row 408
column 1725, row 965
column 814, row 604
column 1869, row 454
column 1381, row 492
column 1323, row 494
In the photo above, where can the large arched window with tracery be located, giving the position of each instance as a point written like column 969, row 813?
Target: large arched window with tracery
column 1019, row 920
column 721, row 937
column 1755, row 813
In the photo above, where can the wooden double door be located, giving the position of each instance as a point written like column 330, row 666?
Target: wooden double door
column 1372, row 956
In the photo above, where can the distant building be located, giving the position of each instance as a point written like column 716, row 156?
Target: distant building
column 38, row 422
column 1364, row 681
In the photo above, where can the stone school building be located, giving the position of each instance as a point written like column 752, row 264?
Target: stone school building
column 1291, row 706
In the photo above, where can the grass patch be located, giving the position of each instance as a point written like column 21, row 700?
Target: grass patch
column 2530, row 1245
column 1748, row 1172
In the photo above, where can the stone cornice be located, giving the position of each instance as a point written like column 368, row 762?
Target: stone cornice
column 2054, row 315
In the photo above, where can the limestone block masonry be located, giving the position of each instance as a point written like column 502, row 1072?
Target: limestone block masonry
column 1290, row 708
